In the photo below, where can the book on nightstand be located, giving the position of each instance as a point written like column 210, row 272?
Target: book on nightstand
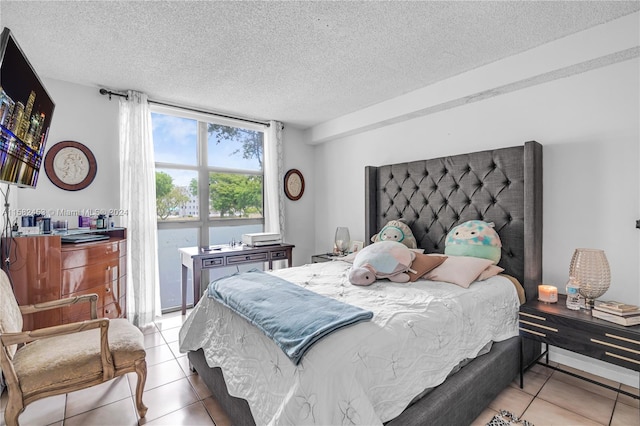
column 616, row 308
column 629, row 319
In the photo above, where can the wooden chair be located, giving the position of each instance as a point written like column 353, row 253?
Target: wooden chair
column 64, row 358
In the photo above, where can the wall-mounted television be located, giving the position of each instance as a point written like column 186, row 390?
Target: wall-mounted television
column 25, row 115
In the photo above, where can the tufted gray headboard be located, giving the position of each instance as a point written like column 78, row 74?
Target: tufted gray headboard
column 503, row 186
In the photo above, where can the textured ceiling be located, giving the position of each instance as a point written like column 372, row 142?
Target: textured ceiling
column 298, row 62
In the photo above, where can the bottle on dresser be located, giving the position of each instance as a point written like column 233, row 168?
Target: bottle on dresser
column 574, row 301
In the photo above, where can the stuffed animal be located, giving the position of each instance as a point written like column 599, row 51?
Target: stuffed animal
column 474, row 238
column 384, row 259
column 396, row 230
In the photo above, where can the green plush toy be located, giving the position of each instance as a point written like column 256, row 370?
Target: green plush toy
column 474, row 238
column 398, row 231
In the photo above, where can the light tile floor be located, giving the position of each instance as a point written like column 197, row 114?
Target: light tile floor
column 176, row 396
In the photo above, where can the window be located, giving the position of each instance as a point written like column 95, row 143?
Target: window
column 209, row 187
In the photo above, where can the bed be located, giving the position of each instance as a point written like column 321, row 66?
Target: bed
column 503, row 186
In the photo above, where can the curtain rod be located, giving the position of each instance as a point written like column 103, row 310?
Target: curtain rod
column 124, row 95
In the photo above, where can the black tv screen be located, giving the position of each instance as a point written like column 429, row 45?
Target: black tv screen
column 25, row 115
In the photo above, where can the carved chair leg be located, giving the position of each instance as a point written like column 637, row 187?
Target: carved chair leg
column 13, row 409
column 141, row 371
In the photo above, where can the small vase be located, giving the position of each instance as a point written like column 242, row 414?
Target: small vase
column 342, row 240
column 590, row 269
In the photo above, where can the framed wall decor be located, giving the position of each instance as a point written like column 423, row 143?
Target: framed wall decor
column 70, row 165
column 293, row 184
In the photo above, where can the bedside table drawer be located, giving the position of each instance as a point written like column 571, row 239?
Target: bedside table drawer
column 277, row 255
column 615, row 346
column 547, row 330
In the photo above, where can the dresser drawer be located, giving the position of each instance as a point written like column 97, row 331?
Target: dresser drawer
column 614, row 346
column 278, row 254
column 212, row 262
column 77, row 256
column 113, row 310
column 539, row 327
column 82, row 278
column 248, row 258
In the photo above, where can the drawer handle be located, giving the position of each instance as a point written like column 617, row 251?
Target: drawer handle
column 107, row 311
column 533, row 316
column 615, row 346
column 540, row 326
column 532, row 332
column 626, row 339
column 107, row 290
column 622, row 357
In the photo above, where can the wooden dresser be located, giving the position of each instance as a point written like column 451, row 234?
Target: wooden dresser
column 42, row 268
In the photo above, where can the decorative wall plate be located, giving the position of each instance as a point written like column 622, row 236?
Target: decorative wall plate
column 70, row 165
column 293, row 184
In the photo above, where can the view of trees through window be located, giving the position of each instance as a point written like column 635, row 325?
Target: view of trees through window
column 232, row 194
column 209, row 187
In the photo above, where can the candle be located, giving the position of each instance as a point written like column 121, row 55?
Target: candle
column 547, row 293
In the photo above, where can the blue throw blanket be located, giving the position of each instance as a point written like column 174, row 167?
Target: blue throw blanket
column 294, row 317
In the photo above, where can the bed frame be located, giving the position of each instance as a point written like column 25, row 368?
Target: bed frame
column 503, row 186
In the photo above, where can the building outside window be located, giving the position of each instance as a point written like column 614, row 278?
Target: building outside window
column 209, row 187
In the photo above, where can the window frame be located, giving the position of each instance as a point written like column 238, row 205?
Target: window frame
column 204, row 221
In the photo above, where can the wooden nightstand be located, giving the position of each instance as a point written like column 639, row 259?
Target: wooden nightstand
column 577, row 331
column 323, row 257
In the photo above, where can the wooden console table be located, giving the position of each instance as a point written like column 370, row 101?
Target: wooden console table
column 197, row 259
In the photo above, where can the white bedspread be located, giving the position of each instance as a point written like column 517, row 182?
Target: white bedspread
column 363, row 374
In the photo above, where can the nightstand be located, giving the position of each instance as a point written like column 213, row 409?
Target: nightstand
column 577, row 331
column 323, row 257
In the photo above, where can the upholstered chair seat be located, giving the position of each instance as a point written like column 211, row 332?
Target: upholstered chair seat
column 64, row 358
column 75, row 358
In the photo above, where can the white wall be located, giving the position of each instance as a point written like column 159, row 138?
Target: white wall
column 82, row 115
column 300, row 215
column 588, row 123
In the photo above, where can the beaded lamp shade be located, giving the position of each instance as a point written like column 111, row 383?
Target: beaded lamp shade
column 590, row 269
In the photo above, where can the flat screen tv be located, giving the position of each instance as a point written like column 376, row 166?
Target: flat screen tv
column 25, row 115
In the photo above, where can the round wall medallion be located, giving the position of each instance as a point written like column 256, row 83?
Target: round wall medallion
column 293, row 184
column 70, row 165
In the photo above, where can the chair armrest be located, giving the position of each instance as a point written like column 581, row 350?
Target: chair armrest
column 57, row 330
column 68, row 301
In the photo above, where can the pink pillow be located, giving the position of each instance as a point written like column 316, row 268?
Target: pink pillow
column 460, row 270
column 492, row 270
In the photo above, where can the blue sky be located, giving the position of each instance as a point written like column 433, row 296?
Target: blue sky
column 175, row 142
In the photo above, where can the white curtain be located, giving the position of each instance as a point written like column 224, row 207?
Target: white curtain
column 273, row 179
column 138, row 199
